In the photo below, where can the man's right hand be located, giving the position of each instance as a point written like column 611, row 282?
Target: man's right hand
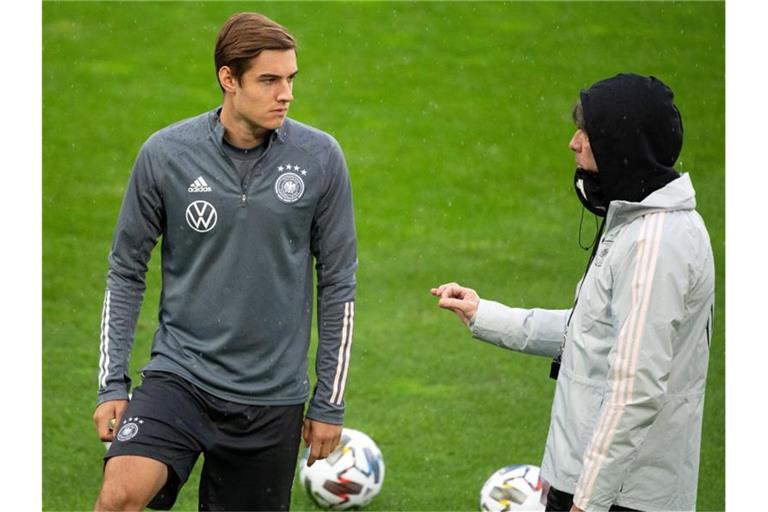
column 462, row 301
column 106, row 411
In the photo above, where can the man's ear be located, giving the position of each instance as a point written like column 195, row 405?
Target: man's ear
column 227, row 79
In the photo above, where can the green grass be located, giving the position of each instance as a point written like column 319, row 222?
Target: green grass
column 455, row 119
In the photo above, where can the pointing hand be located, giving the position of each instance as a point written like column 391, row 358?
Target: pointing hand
column 462, row 301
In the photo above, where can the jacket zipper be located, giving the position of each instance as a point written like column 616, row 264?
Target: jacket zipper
column 244, row 183
column 255, row 169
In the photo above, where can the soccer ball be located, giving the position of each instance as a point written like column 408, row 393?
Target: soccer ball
column 351, row 476
column 512, row 488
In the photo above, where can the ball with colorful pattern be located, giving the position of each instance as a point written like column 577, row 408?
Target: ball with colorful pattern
column 350, row 477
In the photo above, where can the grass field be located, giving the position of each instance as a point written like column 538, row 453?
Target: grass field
column 455, row 119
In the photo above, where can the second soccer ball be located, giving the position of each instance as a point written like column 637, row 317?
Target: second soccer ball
column 511, row 488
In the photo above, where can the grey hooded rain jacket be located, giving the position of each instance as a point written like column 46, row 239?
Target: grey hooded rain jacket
column 627, row 412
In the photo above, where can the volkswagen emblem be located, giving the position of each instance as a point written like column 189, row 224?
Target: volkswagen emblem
column 201, row 216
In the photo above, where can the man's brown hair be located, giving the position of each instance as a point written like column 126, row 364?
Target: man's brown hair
column 243, row 37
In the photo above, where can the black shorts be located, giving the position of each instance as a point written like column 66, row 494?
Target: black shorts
column 250, row 451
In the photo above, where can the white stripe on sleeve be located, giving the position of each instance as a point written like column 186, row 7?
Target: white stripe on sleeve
column 341, row 364
column 104, row 359
column 347, row 353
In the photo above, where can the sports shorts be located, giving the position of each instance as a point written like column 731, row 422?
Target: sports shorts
column 249, row 451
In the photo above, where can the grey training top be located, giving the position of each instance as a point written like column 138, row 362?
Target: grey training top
column 237, row 253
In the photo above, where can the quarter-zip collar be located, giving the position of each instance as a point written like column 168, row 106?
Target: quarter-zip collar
column 216, row 130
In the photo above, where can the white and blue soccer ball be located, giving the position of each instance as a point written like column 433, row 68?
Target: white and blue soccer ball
column 512, row 488
column 350, row 477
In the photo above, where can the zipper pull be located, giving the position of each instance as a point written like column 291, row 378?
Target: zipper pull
column 243, row 199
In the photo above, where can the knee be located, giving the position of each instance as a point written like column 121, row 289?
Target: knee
column 116, row 496
column 130, row 482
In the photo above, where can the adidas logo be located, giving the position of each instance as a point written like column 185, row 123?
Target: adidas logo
column 199, row 185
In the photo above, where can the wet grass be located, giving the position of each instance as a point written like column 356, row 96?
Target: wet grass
column 454, row 118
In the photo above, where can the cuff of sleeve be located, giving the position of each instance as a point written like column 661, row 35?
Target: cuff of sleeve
column 325, row 415
column 484, row 325
column 115, row 394
column 474, row 319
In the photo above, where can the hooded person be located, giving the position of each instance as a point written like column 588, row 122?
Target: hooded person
column 627, row 413
column 636, row 134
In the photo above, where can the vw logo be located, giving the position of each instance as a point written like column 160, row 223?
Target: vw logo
column 201, row 216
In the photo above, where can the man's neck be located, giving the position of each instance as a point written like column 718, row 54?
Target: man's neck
column 239, row 133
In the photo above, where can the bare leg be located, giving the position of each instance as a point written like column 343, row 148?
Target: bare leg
column 130, row 482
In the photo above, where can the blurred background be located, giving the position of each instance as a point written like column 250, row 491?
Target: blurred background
column 454, row 119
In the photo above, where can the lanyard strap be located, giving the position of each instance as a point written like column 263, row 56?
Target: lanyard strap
column 554, row 368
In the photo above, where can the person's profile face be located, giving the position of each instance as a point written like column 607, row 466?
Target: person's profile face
column 263, row 93
column 580, row 146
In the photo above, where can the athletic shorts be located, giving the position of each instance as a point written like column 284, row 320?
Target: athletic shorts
column 250, row 451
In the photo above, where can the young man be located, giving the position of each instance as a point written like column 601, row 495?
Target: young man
column 244, row 198
column 631, row 355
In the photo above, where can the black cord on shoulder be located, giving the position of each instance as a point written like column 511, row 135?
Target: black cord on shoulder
column 581, row 225
column 594, row 245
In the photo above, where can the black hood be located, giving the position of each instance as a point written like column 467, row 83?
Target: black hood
column 636, row 134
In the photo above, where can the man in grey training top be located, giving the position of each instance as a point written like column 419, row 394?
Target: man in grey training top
column 244, row 198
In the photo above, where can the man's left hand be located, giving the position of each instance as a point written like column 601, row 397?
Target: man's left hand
column 321, row 438
column 574, row 508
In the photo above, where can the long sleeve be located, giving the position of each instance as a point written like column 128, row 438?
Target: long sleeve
column 138, row 228
column 533, row 331
column 648, row 303
column 334, row 247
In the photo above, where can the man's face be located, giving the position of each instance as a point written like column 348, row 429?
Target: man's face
column 262, row 95
column 580, row 145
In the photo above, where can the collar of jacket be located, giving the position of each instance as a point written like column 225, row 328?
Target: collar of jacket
column 678, row 194
column 216, row 129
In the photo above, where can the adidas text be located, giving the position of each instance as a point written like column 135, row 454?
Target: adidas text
column 199, row 185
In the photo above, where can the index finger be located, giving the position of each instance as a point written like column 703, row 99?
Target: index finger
column 314, row 453
column 441, row 289
column 119, row 413
column 105, row 432
column 453, row 291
